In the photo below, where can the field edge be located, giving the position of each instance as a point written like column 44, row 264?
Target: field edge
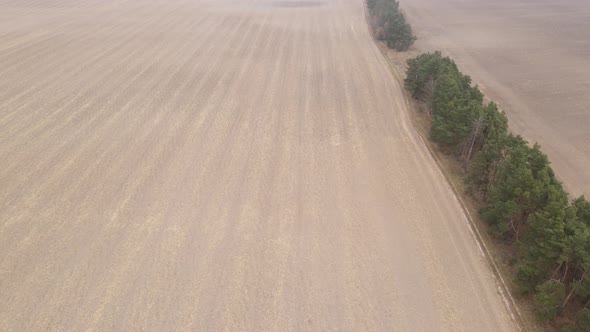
column 523, row 321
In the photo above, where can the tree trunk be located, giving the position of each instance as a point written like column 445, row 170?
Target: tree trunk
column 520, row 222
column 475, row 134
column 569, row 295
column 470, row 152
column 572, row 292
column 514, row 228
column 491, row 177
column 565, row 272
column 556, row 270
column 567, row 298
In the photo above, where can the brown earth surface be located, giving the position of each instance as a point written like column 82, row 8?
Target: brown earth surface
column 530, row 56
column 221, row 165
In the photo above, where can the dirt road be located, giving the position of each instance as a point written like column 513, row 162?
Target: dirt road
column 531, row 56
column 220, row 165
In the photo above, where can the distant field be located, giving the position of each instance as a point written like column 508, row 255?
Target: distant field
column 532, row 56
column 220, row 165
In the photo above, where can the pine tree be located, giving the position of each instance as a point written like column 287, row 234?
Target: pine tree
column 389, row 19
column 582, row 209
column 494, row 137
column 521, row 187
column 424, row 70
column 545, row 241
column 548, row 299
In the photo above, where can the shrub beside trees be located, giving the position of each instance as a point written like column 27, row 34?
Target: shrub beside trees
column 523, row 203
column 390, row 25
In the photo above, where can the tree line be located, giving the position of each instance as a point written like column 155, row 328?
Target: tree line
column 524, row 204
column 390, row 25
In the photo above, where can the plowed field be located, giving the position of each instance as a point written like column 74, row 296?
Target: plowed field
column 220, row 165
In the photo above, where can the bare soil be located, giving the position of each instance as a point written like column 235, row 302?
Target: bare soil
column 221, row 165
column 530, row 56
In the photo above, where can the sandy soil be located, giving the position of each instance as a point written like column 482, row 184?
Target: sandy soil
column 531, row 56
column 220, row 165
